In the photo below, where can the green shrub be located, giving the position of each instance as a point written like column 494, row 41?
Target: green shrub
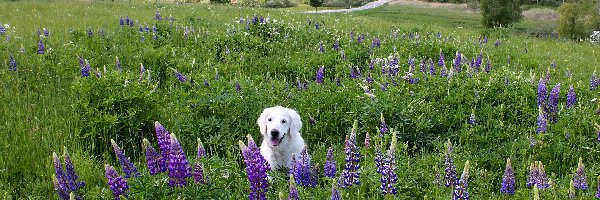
column 578, row 20
column 500, row 12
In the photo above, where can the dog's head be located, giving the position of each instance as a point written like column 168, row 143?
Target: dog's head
column 279, row 124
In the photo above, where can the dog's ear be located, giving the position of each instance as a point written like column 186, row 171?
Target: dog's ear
column 262, row 121
column 296, row 122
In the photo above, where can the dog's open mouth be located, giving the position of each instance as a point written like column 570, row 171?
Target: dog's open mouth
column 275, row 141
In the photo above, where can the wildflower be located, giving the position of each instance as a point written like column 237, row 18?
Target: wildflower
column 46, row 33
column 142, row 71
column 457, row 61
column 441, row 61
column 444, row 71
column 338, row 81
column 553, row 103
column 472, row 120
column 238, row 88
column 199, row 177
column 450, row 177
column 488, row 66
column 126, row 165
column 311, row 120
column 571, row 97
column 201, row 150
column 85, row 69
column 593, row 81
column 158, row 16
column 351, row 173
column 383, row 128
column 180, row 77
column 320, row 75
column 508, row 179
column 178, row 164
column 152, row 157
column 388, row 171
column 422, row 67
column 60, row 188
column 579, row 178
column 367, row 141
column 60, row 176
column 335, row 193
column 2, row 29
column 70, row 174
column 41, row 47
column 164, row 144
column 479, row 61
column 118, row 64
column 460, row 190
column 293, row 194
column 321, row 48
column 532, row 176
column 497, row 42
column 571, row 191
column 121, row 21
column 369, row 79
column 118, row 185
column 303, row 171
column 256, row 168
column 598, row 189
column 379, row 159
column 541, row 122
column 330, row 165
column 437, row 177
column 336, row 45
column 542, row 180
column 431, row 68
column 12, row 64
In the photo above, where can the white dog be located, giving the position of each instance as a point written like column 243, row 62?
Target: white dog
column 280, row 128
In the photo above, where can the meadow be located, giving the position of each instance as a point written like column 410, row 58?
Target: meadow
column 207, row 71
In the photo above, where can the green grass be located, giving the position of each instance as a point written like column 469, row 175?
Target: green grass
column 47, row 105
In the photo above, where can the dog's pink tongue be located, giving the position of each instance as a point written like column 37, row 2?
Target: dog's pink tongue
column 275, row 142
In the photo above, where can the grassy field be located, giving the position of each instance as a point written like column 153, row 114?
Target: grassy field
column 48, row 105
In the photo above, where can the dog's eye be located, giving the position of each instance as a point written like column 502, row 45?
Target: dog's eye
column 269, row 119
column 283, row 121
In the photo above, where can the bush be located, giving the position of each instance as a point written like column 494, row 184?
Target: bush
column 281, row 3
column 578, row 20
column 500, row 12
column 219, row 1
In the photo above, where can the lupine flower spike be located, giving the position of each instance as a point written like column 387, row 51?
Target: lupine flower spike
column 256, row 169
column 335, row 193
column 508, row 179
column 41, row 47
column 571, row 191
column 351, row 173
column 460, row 190
column 70, row 174
column 541, row 121
column 118, row 185
column 542, row 180
column 579, row 179
column 388, row 171
column 533, row 174
column 59, row 178
column 571, row 97
column 126, row 165
column 164, row 145
column 542, row 93
column 180, row 76
column 330, row 165
column 383, row 128
column 450, row 177
column 320, row 75
column 12, row 64
column 199, row 176
column 553, row 104
column 153, row 158
column 303, row 171
column 60, row 189
column 293, row 193
column 178, row 165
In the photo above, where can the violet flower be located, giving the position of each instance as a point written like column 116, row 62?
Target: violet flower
column 60, row 189
column 571, row 97
column 121, row 21
column 598, row 189
column 351, row 173
column 472, row 119
column 85, row 70
column 303, row 171
column 158, row 16
column 238, row 88
column 460, row 190
column 579, row 179
column 126, row 165
column 164, row 145
column 383, row 128
column 41, row 47
column 256, row 168
column 335, row 193
column 457, row 62
column 541, row 122
column 431, row 68
column 450, row 177
column 320, row 75
column 293, row 193
column 178, row 165
column 388, row 170
column 508, row 179
column 367, row 141
column 118, row 185
column 553, row 103
column 12, row 64
column 330, row 165
column 153, row 158
column 70, row 174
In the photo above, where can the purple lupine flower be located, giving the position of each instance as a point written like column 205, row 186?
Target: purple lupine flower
column 180, row 77
column 367, row 140
column 146, row 28
column 164, row 145
column 508, row 179
column 472, row 119
column 423, row 66
column 579, row 179
column 118, row 185
column 199, row 177
column 379, row 158
column 46, row 33
column 352, row 36
column 152, row 157
column 131, row 23
column 60, row 189
column 444, row 71
column 383, row 128
column 593, row 81
column 411, row 65
column 571, row 97
column 178, row 165
column 238, row 88
column 383, row 87
column 488, row 65
column 60, row 176
column 335, row 193
column 460, row 190
column 353, row 73
column 369, row 79
column 478, row 61
column 598, row 189
column 118, row 64
column 431, row 68
column 351, row 173
column 90, row 33
column 121, row 21
column 41, row 47
column 70, row 174
column 542, row 180
column 441, row 61
column 293, row 193
column 497, row 42
column 12, row 64
column 303, row 171
column 126, row 165
column 541, row 122
column 553, row 103
column 158, row 16
column 320, row 75
column 201, row 151
column 336, row 45
column 457, row 61
column 330, row 165
column 542, row 93
column 388, row 170
column 321, row 47
column 85, row 70
column 2, row 29
column 450, row 177
column 256, row 168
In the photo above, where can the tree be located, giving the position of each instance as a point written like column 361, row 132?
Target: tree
column 316, row 4
column 500, row 12
column 578, row 18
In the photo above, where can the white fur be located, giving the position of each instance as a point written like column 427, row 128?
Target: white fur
column 288, row 123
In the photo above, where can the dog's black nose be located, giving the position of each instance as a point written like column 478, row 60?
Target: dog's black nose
column 274, row 133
